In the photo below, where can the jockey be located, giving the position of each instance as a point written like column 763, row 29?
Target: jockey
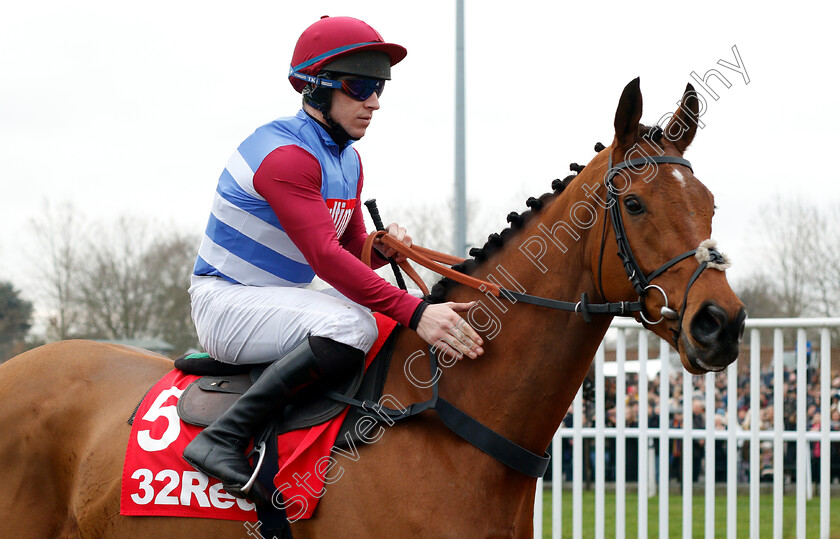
column 287, row 208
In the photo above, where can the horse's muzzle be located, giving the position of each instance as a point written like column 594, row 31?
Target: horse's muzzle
column 717, row 337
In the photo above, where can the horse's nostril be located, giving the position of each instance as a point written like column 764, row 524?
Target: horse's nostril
column 708, row 323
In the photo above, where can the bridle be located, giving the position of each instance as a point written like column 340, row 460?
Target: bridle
column 641, row 282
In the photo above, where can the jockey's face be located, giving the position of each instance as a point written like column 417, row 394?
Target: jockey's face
column 354, row 116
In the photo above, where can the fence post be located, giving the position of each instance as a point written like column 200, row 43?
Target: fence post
column 651, row 491
column 825, row 424
column 778, row 428
column 755, row 411
column 538, row 509
column 664, row 439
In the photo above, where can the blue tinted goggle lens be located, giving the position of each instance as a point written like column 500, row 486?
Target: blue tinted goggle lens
column 362, row 89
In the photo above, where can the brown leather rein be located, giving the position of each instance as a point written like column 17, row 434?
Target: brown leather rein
column 434, row 261
column 427, row 258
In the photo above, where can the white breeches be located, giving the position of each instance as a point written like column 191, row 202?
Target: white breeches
column 253, row 324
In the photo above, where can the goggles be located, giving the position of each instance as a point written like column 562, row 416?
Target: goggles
column 359, row 89
column 362, row 89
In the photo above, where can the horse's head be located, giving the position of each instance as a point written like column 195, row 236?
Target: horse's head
column 658, row 211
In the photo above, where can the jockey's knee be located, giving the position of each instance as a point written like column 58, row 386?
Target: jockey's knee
column 370, row 332
column 355, row 327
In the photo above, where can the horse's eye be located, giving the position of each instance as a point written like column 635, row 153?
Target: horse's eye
column 633, row 205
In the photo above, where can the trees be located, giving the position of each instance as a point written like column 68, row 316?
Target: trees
column 114, row 286
column 114, row 280
column 792, row 249
column 15, row 319
column 799, row 274
column 173, row 258
column 59, row 233
column 828, row 260
column 761, row 297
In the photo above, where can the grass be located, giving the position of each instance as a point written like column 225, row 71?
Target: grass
column 675, row 516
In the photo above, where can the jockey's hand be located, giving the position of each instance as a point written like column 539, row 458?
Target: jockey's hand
column 399, row 233
column 443, row 328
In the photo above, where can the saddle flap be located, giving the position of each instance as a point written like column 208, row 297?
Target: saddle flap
column 312, row 407
column 207, row 398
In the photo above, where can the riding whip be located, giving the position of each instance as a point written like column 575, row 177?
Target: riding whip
column 377, row 222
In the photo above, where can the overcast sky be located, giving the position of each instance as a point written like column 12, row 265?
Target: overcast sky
column 135, row 110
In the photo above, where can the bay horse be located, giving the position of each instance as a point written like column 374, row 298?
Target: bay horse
column 64, row 405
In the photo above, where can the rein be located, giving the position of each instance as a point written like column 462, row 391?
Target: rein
column 432, row 259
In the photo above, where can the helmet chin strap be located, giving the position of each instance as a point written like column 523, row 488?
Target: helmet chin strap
column 336, row 132
column 339, row 135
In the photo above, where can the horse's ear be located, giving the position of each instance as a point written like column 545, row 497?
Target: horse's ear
column 629, row 114
column 685, row 120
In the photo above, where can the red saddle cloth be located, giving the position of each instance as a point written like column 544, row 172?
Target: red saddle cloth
column 157, row 481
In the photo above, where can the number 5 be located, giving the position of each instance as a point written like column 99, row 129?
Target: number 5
column 173, row 427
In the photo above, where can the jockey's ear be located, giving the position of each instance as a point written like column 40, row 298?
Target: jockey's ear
column 683, row 125
column 628, row 115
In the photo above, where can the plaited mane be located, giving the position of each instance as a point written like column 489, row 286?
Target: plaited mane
column 496, row 241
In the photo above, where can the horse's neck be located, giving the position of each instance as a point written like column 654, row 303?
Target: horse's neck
column 537, row 357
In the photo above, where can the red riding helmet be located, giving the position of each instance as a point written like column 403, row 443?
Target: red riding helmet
column 332, row 38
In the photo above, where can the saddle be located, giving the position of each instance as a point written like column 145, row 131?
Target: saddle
column 221, row 384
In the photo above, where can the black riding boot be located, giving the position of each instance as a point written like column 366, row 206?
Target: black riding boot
column 219, row 450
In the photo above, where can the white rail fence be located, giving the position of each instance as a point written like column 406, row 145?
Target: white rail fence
column 801, row 355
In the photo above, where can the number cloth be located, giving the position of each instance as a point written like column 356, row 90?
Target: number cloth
column 156, row 481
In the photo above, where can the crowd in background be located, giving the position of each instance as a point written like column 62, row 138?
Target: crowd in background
column 695, row 411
